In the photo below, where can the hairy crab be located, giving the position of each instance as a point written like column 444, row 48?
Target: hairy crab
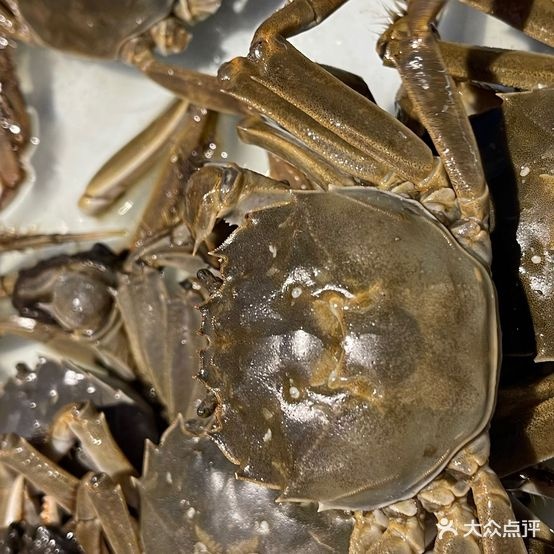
column 323, row 315
column 353, row 336
column 95, row 29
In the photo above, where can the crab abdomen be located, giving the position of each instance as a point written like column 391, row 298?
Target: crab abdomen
column 353, row 348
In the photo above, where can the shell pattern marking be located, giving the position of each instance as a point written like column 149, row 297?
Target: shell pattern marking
column 353, row 348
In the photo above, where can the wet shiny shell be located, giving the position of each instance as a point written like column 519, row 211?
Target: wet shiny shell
column 191, row 502
column 529, row 123
column 31, row 399
column 95, row 28
column 353, row 348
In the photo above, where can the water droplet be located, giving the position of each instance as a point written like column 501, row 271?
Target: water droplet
column 264, row 526
column 536, row 259
column 296, row 292
column 524, row 171
column 125, row 208
column 294, row 393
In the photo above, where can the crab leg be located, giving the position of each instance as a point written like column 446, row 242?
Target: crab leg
column 447, row 500
column 296, row 17
column 131, row 162
column 11, row 496
column 414, row 50
column 83, row 423
column 535, row 18
column 10, row 242
column 14, row 136
column 19, row 455
column 70, row 346
column 366, row 142
column 185, row 154
column 199, row 89
column 511, row 68
column 164, row 340
column 88, row 529
column 254, row 130
column 491, row 500
column 538, row 481
column 104, row 496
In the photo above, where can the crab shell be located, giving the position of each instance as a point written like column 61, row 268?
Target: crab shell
column 353, row 348
column 94, row 28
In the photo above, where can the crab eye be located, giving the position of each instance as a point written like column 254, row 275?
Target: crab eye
column 80, row 302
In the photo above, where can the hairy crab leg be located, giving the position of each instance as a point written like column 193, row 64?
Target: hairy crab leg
column 123, row 169
column 199, row 89
column 491, row 500
column 543, row 533
column 403, row 532
column 163, row 333
column 535, row 18
column 295, row 17
column 511, row 68
column 11, row 496
column 19, row 455
column 413, row 48
column 88, row 529
column 446, row 498
column 185, row 154
column 109, row 505
column 82, row 352
column 538, row 481
column 10, row 242
column 366, row 141
column 254, row 130
column 84, row 424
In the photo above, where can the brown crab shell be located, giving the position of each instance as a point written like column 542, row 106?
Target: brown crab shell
column 93, row 28
column 191, row 502
column 353, row 348
column 529, row 129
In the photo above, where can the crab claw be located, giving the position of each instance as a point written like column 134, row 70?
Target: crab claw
column 207, row 199
column 227, row 191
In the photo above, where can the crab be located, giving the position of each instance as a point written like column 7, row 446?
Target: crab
column 303, row 405
column 102, row 30
column 102, row 306
column 50, row 427
column 329, row 391
column 530, row 154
